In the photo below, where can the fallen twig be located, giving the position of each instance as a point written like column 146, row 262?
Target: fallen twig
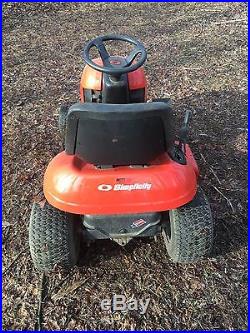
column 228, row 200
column 69, row 290
column 211, row 169
column 231, row 21
column 60, row 283
column 192, row 68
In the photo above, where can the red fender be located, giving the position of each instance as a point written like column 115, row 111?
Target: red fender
column 75, row 186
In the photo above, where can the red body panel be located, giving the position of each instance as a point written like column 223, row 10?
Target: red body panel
column 74, row 186
column 92, row 79
column 137, row 79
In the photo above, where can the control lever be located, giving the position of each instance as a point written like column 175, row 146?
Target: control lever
column 183, row 136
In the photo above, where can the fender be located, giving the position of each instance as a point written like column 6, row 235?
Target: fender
column 77, row 187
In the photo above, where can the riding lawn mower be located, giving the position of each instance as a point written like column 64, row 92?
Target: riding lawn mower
column 125, row 171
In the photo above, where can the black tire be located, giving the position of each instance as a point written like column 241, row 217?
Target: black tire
column 54, row 238
column 190, row 232
column 63, row 112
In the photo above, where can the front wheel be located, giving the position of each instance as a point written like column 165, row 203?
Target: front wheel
column 54, row 237
column 190, row 232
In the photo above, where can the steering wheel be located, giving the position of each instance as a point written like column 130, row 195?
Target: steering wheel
column 117, row 68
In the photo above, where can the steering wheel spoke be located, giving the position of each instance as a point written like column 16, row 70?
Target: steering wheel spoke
column 131, row 57
column 103, row 52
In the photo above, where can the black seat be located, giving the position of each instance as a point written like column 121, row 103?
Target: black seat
column 119, row 134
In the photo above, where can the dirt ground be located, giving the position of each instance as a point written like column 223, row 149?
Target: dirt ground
column 197, row 55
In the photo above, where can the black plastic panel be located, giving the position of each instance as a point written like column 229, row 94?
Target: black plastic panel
column 119, row 134
column 120, row 225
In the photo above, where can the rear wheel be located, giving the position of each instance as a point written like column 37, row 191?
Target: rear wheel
column 189, row 235
column 54, row 237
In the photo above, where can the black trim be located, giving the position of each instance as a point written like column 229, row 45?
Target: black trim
column 137, row 96
column 122, row 223
column 115, row 90
column 177, row 155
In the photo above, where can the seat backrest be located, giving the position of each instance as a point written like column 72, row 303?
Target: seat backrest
column 119, row 134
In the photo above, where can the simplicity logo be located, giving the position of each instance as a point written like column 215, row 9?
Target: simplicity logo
column 125, row 187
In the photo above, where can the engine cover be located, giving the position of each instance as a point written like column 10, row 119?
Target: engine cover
column 96, row 87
